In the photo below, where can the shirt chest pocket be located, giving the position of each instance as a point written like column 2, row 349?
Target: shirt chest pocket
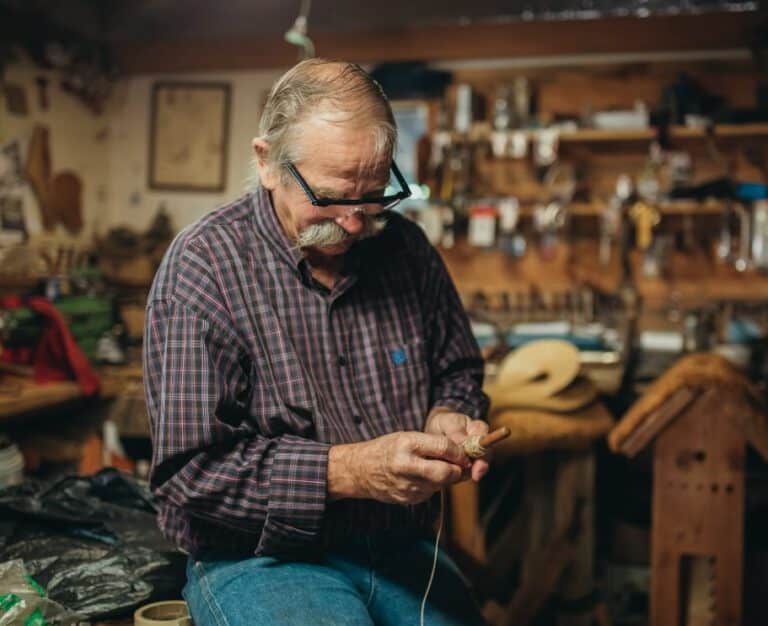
column 408, row 378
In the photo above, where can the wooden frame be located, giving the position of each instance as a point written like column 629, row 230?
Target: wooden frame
column 189, row 136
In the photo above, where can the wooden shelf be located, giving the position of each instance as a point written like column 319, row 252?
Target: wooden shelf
column 722, row 130
column 676, row 132
column 691, row 207
column 595, row 135
column 674, row 207
column 588, row 135
column 694, row 278
column 738, row 288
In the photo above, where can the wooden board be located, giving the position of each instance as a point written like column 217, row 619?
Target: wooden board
column 698, row 506
column 20, row 395
column 655, row 423
column 23, row 396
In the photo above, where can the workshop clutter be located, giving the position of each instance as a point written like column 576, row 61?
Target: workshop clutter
column 36, row 334
column 24, row 601
column 11, row 463
column 91, row 542
column 130, row 258
column 542, row 185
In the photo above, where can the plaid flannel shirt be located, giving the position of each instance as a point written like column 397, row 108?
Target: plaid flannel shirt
column 253, row 371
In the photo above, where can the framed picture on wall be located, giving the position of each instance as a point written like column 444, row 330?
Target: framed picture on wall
column 189, row 132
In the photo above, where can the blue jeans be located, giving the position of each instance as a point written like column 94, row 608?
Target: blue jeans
column 371, row 582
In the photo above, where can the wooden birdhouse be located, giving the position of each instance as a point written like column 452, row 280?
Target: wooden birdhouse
column 699, row 416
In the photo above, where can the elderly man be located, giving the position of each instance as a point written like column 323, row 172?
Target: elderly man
column 310, row 376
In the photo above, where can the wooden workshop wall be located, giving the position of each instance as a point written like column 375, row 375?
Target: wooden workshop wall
column 571, row 90
column 561, row 90
column 109, row 152
column 131, row 199
column 576, row 90
column 79, row 142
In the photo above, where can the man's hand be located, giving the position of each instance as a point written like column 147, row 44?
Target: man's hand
column 457, row 427
column 400, row 468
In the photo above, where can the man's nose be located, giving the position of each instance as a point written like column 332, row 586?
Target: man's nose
column 352, row 222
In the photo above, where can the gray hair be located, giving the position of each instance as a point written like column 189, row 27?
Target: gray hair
column 315, row 85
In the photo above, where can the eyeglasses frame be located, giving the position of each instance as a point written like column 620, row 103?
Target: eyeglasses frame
column 385, row 201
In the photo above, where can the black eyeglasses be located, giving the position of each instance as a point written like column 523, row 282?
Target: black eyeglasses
column 381, row 203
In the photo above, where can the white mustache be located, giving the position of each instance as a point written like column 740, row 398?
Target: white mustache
column 329, row 233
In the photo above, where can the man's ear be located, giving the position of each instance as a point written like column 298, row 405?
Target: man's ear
column 268, row 176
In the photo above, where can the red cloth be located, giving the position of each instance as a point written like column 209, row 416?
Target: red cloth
column 57, row 356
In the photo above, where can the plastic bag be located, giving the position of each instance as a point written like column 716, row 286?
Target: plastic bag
column 92, row 542
column 23, row 602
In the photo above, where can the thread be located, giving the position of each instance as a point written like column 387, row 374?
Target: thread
column 434, row 558
column 473, row 448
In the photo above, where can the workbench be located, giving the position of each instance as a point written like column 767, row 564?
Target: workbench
column 20, row 395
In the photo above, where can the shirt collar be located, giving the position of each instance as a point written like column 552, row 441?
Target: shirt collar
column 271, row 229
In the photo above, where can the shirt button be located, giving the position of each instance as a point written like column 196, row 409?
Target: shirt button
column 341, row 360
column 357, row 419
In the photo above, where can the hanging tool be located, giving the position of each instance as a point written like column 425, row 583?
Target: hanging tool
column 645, row 216
column 611, row 218
column 741, row 263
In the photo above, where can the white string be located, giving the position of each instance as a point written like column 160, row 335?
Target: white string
column 434, row 559
column 474, row 450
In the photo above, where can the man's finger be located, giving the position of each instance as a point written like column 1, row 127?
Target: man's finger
column 439, row 447
column 479, row 469
column 437, row 472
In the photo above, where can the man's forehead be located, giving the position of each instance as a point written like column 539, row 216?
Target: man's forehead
column 341, row 150
column 348, row 164
column 361, row 169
